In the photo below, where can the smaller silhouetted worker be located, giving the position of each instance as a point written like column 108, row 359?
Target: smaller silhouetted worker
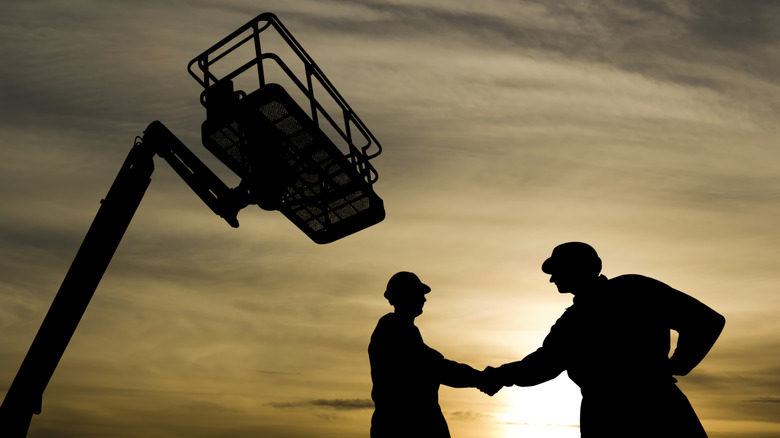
column 407, row 373
column 614, row 343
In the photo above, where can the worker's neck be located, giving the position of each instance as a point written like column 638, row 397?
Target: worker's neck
column 587, row 287
column 405, row 315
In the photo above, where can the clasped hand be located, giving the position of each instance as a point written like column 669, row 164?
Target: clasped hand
column 489, row 381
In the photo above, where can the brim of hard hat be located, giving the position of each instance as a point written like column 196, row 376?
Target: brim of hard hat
column 549, row 265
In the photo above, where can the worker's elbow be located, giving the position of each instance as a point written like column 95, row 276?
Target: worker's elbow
column 712, row 321
column 719, row 321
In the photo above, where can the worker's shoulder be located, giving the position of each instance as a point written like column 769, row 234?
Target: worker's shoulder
column 384, row 329
column 633, row 279
column 387, row 320
column 638, row 283
column 391, row 322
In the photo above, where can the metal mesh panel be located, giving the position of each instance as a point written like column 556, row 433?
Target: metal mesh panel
column 318, row 187
column 327, row 195
column 225, row 140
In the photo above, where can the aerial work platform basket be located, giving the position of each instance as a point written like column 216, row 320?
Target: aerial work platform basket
column 275, row 120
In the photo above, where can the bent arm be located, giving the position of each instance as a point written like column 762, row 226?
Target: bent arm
column 699, row 327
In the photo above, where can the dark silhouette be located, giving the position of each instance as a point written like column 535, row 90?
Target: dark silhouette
column 281, row 153
column 614, row 342
column 407, row 373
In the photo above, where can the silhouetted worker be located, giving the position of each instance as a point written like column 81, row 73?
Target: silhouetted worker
column 407, row 373
column 614, row 342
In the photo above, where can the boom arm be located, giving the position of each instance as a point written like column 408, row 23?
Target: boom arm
column 24, row 397
column 223, row 201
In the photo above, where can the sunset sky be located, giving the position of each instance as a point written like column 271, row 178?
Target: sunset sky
column 646, row 128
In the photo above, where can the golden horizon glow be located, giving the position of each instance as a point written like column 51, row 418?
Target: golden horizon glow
column 508, row 128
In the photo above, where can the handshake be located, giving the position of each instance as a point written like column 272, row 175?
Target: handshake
column 489, row 381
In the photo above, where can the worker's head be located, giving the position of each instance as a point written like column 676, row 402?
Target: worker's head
column 406, row 293
column 572, row 266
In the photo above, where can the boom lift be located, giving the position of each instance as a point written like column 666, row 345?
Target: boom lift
column 286, row 157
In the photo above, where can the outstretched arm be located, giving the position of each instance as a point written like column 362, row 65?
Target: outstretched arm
column 538, row 367
column 459, row 375
column 544, row 364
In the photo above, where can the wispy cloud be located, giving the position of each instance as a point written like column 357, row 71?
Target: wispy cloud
column 765, row 400
column 278, row 373
column 338, row 404
column 468, row 415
